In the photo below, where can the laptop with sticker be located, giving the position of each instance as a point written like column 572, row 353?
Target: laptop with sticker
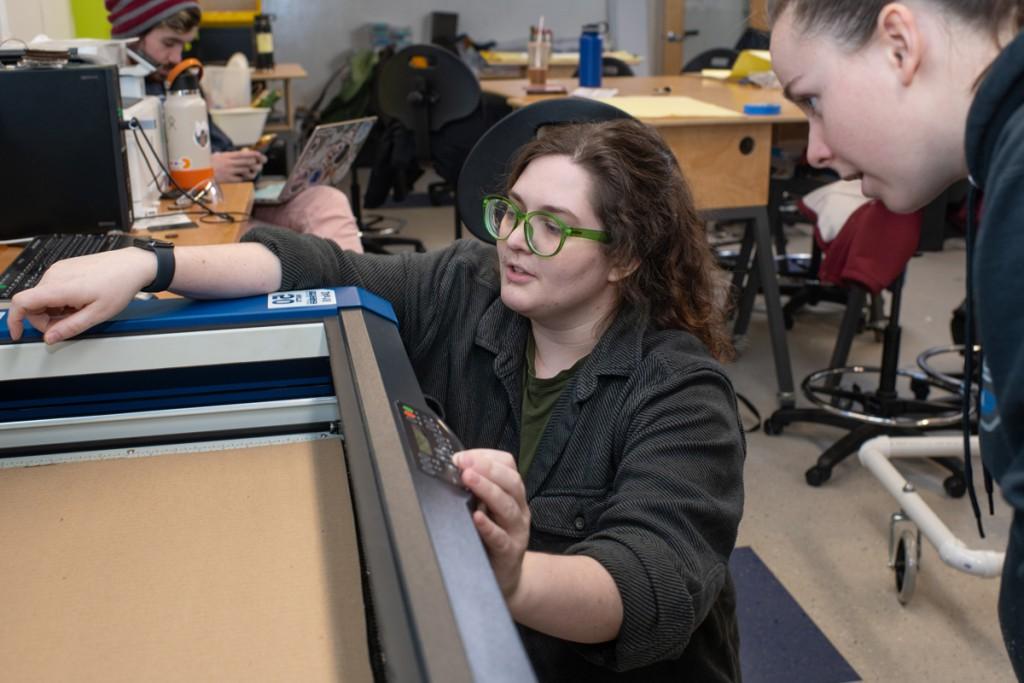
column 326, row 158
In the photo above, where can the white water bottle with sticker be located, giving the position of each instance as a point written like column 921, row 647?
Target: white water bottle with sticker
column 187, row 126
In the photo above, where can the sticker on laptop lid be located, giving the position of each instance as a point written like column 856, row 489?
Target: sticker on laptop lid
column 302, row 298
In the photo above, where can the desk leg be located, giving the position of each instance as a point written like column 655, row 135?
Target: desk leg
column 763, row 273
column 746, row 303
column 289, row 109
column 744, row 280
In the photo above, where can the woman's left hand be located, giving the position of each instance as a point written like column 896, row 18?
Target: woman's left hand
column 503, row 517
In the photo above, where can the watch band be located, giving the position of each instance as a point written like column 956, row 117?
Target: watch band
column 164, row 252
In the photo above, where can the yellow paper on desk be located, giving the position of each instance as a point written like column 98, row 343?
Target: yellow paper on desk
column 718, row 74
column 496, row 57
column 749, row 62
column 655, row 107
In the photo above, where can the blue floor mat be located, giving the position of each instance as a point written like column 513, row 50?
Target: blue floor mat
column 778, row 641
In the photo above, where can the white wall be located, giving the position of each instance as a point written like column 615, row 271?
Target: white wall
column 316, row 33
column 25, row 19
column 632, row 24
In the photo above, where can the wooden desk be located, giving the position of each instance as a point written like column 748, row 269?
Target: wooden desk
column 284, row 73
column 238, row 198
column 562, row 65
column 727, row 162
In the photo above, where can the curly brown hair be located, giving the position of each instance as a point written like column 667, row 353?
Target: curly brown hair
column 645, row 204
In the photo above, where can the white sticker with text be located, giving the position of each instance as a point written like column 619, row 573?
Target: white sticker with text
column 302, row 298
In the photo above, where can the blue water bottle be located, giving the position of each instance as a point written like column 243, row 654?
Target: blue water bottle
column 591, row 48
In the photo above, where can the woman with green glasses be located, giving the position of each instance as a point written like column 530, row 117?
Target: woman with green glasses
column 577, row 361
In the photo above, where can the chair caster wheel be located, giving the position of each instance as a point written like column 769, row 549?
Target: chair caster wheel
column 921, row 388
column 817, row 475
column 906, row 565
column 955, row 486
column 773, row 427
column 787, row 321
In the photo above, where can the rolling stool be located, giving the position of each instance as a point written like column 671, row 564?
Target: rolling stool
column 867, row 414
column 854, row 260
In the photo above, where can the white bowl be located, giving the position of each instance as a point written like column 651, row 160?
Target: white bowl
column 243, row 125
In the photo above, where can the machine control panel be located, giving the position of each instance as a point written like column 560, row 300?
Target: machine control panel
column 431, row 442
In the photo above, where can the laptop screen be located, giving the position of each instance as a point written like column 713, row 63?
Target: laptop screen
column 328, row 155
column 63, row 160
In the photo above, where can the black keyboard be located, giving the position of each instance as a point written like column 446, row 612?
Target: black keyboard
column 45, row 250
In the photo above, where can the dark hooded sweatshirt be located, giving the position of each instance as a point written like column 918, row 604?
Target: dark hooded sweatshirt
column 995, row 158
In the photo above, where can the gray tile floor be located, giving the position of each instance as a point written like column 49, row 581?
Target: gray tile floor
column 828, row 545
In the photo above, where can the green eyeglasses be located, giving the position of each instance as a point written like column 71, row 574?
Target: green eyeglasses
column 545, row 232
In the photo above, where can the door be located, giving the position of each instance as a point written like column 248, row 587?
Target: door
column 708, row 24
column 672, row 34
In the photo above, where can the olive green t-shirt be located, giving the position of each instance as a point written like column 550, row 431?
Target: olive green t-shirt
column 539, row 396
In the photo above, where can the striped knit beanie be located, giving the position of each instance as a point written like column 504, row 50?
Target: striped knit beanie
column 131, row 18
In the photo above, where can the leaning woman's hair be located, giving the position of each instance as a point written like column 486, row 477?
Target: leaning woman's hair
column 644, row 203
column 853, row 21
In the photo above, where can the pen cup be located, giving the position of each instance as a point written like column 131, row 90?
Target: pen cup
column 538, row 56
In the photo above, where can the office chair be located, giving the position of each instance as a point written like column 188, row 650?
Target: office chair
column 753, row 39
column 611, row 66
column 802, row 278
column 484, row 171
column 870, row 413
column 715, row 58
column 426, row 88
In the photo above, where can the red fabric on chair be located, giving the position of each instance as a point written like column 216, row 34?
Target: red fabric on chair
column 872, row 248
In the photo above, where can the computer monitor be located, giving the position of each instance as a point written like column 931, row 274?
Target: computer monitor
column 62, row 152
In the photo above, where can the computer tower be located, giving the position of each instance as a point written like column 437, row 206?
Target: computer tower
column 63, row 167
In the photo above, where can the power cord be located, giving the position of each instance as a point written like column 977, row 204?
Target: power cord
column 135, row 126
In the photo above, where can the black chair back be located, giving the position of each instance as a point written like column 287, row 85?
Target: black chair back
column 715, row 58
column 611, row 66
column 486, row 166
column 426, row 87
column 753, row 39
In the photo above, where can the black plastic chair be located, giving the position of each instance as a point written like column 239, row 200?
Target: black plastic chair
column 753, row 39
column 486, row 166
column 715, row 58
column 611, row 67
column 426, row 88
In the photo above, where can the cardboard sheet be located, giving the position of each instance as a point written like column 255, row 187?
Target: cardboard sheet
column 655, row 106
column 228, row 566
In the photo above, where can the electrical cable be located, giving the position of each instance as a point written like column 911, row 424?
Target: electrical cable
column 135, row 126
column 966, row 393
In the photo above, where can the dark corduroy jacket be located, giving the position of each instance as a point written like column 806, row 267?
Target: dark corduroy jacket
column 640, row 465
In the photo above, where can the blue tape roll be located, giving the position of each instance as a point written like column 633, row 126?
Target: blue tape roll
column 762, row 109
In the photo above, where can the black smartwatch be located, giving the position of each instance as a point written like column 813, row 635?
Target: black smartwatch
column 164, row 262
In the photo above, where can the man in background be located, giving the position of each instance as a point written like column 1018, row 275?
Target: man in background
column 163, row 28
